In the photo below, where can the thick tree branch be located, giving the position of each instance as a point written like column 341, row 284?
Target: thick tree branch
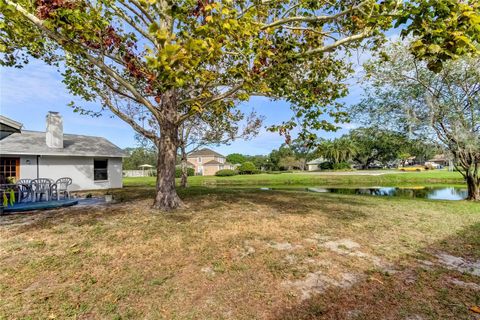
column 214, row 99
column 140, row 15
column 338, row 43
column 60, row 39
column 148, row 134
column 133, row 24
column 142, row 9
column 326, row 18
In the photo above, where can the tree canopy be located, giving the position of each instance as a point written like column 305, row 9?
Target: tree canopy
column 139, row 156
column 402, row 93
column 157, row 63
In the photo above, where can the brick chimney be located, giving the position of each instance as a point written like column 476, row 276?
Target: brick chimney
column 54, row 133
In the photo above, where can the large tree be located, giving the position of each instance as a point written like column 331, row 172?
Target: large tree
column 402, row 92
column 374, row 144
column 157, row 63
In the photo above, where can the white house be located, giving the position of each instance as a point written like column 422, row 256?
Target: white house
column 314, row 165
column 91, row 162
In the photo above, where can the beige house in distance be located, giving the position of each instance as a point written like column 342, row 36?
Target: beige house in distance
column 207, row 162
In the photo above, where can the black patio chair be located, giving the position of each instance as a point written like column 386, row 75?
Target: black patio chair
column 24, row 187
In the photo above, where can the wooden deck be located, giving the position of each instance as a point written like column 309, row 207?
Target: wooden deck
column 43, row 205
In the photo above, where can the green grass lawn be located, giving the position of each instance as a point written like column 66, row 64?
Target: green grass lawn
column 313, row 179
column 237, row 252
column 241, row 253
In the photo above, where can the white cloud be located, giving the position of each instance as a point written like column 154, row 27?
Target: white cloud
column 350, row 126
column 36, row 82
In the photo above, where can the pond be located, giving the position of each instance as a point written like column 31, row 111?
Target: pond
column 435, row 193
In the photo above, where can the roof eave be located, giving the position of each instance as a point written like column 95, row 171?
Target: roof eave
column 11, row 123
column 12, row 153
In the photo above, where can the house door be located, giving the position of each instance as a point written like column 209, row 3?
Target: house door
column 9, row 168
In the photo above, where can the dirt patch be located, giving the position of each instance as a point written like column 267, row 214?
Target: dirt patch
column 342, row 246
column 208, row 271
column 351, row 248
column 463, row 284
column 284, row 246
column 459, row 264
column 317, row 282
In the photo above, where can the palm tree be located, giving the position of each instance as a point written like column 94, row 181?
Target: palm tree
column 338, row 150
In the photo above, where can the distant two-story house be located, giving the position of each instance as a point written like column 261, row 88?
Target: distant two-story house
column 207, row 162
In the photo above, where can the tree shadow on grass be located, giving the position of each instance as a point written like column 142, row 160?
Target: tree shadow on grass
column 197, row 199
column 418, row 290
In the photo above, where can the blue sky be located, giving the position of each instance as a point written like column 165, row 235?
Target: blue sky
column 27, row 94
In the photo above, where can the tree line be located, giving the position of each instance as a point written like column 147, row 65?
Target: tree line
column 361, row 147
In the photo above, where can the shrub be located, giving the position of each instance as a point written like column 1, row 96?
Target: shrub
column 341, row 166
column 178, row 172
column 225, row 173
column 247, row 168
column 326, row 166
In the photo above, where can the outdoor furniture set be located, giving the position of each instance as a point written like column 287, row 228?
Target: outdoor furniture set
column 33, row 190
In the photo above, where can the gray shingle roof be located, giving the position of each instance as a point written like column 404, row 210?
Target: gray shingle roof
column 205, row 152
column 34, row 143
column 317, row 161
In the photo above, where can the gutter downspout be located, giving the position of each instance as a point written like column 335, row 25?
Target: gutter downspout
column 38, row 167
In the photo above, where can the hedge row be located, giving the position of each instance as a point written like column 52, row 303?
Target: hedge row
column 178, row 172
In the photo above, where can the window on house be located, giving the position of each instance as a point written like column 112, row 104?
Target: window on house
column 100, row 169
column 199, row 160
column 9, row 168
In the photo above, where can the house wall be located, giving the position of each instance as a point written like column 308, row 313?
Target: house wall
column 210, row 170
column 199, row 165
column 313, row 167
column 80, row 169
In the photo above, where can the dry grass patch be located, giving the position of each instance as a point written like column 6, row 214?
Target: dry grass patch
column 241, row 254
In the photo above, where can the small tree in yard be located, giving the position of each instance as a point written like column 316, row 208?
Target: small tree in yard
column 210, row 129
column 290, row 163
column 302, row 147
column 247, row 168
column 403, row 92
column 158, row 63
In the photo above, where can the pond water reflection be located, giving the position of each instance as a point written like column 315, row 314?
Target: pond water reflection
column 435, row 193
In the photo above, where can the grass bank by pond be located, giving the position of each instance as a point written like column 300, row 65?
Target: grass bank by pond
column 320, row 179
column 238, row 253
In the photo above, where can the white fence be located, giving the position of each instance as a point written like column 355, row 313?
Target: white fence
column 139, row 173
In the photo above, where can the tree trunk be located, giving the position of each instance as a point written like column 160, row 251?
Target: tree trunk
column 473, row 183
column 184, row 165
column 166, row 198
